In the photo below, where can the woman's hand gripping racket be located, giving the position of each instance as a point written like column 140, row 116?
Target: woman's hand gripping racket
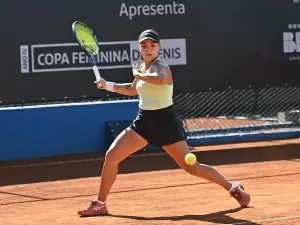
column 88, row 42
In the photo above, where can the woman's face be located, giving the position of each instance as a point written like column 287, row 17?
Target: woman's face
column 149, row 49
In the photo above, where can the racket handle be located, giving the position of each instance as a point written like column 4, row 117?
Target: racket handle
column 96, row 72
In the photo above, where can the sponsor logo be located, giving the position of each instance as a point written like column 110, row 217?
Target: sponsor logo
column 98, row 208
column 151, row 10
column 291, row 42
column 112, row 55
column 293, row 26
column 24, row 54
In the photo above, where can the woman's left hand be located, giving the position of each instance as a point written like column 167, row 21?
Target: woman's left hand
column 136, row 70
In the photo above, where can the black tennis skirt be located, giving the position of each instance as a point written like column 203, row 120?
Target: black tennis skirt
column 159, row 127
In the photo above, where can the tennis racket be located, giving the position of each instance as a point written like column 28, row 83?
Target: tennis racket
column 88, row 42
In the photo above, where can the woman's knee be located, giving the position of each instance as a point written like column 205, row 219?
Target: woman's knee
column 194, row 170
column 111, row 157
column 188, row 168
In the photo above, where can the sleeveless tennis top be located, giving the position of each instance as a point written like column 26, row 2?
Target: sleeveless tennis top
column 153, row 97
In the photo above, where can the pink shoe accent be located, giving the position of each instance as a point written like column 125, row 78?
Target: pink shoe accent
column 94, row 209
column 240, row 195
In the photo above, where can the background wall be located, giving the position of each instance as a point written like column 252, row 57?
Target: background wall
column 208, row 44
column 60, row 129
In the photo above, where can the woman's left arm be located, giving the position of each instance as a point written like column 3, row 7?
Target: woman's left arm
column 157, row 75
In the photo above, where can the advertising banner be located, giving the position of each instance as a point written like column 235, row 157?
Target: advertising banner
column 209, row 45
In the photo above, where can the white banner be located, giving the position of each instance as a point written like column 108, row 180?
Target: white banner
column 24, row 56
column 112, row 55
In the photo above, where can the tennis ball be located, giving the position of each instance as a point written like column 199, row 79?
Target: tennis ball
column 190, row 159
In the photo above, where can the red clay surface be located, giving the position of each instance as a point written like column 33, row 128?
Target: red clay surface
column 161, row 197
column 215, row 123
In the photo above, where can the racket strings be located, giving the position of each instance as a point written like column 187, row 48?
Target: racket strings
column 86, row 38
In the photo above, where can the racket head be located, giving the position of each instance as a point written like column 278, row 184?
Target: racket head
column 86, row 38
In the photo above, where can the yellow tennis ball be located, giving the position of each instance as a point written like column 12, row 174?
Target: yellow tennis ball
column 190, row 159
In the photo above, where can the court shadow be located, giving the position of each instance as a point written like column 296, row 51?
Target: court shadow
column 216, row 217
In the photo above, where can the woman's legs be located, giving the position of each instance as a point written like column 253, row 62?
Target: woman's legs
column 178, row 151
column 127, row 143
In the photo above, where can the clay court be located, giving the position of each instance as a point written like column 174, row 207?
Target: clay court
column 232, row 71
column 50, row 191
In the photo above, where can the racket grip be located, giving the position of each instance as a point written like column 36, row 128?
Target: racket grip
column 96, row 72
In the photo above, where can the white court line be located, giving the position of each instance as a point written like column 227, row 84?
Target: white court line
column 267, row 220
column 67, row 161
column 292, row 201
column 49, row 163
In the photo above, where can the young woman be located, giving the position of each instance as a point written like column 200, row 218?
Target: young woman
column 156, row 123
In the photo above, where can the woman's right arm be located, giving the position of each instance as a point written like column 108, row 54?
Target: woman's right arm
column 128, row 89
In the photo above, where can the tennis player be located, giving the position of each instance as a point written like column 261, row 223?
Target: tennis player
column 156, row 123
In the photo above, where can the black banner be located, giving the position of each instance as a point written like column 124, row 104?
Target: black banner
column 208, row 44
